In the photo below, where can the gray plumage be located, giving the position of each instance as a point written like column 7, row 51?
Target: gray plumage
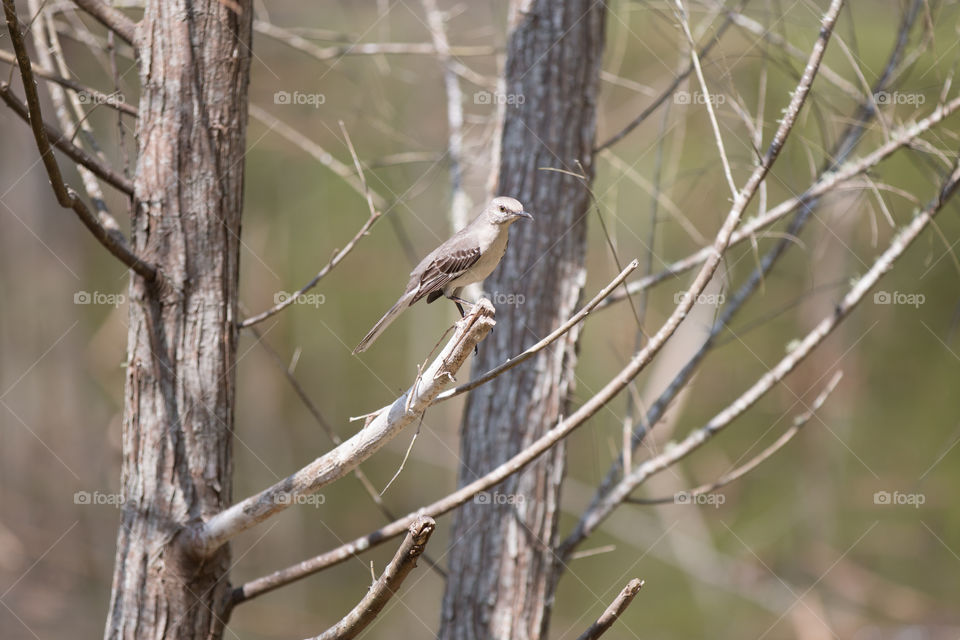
column 469, row 256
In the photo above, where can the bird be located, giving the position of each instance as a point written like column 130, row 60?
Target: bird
column 469, row 256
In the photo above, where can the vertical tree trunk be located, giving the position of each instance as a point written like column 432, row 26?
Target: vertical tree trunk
column 178, row 419
column 501, row 560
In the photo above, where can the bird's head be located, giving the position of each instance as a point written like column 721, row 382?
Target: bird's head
column 504, row 210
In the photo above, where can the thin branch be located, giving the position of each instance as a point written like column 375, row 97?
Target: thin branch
column 708, row 101
column 614, row 611
column 338, row 257
column 66, row 196
column 545, row 342
column 110, row 17
column 97, row 97
column 72, row 151
column 798, row 423
column 901, row 137
column 209, row 536
column 317, row 52
column 389, row 583
column 599, row 512
column 460, row 200
column 669, row 91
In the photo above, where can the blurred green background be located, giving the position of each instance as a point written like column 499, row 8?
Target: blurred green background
column 799, row 547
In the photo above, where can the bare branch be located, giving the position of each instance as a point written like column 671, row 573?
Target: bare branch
column 66, row 196
column 798, row 423
column 96, row 96
column 110, row 17
column 337, row 258
column 389, row 583
column 72, row 151
column 359, row 48
column 669, row 91
column 548, row 340
column 614, row 611
column 598, row 512
column 335, row 464
column 904, row 136
column 724, row 160
column 460, row 201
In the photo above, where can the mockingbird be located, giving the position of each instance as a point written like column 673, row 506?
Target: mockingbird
column 469, row 256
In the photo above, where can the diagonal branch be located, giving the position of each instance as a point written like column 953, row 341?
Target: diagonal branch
column 383, row 589
column 598, row 512
column 66, row 196
column 798, row 423
column 110, row 17
column 72, row 151
column 330, row 467
column 614, row 611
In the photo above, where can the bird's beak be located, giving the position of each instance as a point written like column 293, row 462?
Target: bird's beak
column 524, row 214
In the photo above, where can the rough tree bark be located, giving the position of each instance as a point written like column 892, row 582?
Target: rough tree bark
column 501, row 559
column 178, row 418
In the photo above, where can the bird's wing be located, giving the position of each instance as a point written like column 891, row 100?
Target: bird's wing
column 446, row 267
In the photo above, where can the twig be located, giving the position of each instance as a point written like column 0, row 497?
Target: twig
column 614, row 611
column 209, row 536
column 591, row 520
column 899, row 138
column 389, row 583
column 66, row 196
column 97, row 96
column 708, row 101
column 547, row 341
column 72, row 151
column 336, row 259
column 359, row 48
column 460, row 201
column 111, row 18
column 668, row 92
column 798, row 423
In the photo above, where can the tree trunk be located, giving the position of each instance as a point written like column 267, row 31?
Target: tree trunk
column 178, row 419
column 501, row 559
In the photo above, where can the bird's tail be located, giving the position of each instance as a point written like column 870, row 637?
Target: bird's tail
column 382, row 324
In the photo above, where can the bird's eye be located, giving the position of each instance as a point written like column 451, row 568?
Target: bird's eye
column 503, row 209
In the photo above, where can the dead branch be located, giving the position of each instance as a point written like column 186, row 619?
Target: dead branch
column 209, row 536
column 389, row 583
column 598, row 512
column 66, row 196
column 798, row 423
column 72, row 151
column 614, row 611
column 110, row 17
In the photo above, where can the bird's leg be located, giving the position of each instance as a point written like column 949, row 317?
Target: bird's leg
column 457, row 300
